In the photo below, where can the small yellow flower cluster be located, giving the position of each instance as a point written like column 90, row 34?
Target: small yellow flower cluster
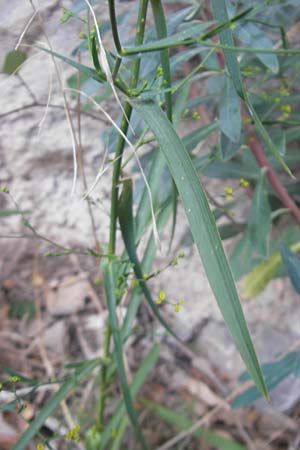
column 159, row 72
column 40, row 446
column 286, row 109
column 73, row 433
column 14, row 379
column 178, row 306
column 243, row 182
column 284, row 91
column 228, row 192
column 161, row 297
column 195, row 115
column 114, row 433
column 247, row 72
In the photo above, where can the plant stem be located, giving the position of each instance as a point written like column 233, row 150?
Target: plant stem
column 161, row 31
column 274, row 181
column 103, row 376
column 140, row 30
column 81, row 164
column 114, row 25
column 124, row 127
column 262, row 161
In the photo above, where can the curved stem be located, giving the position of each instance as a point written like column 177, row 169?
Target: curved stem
column 115, row 194
column 114, row 25
column 274, row 181
column 161, row 31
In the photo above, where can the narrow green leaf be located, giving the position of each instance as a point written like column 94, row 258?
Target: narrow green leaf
column 274, row 373
column 186, row 39
column 230, row 111
column 53, row 403
column 13, row 60
column 221, row 14
column 252, row 36
column 226, row 39
column 171, row 41
column 180, row 422
column 265, row 136
column 12, row 212
column 158, row 164
column 88, row 71
column 241, row 257
column 229, row 230
column 228, row 148
column 260, row 223
column 11, row 406
column 205, row 233
column 116, row 444
column 259, row 277
column 110, row 286
column 138, row 380
column 292, row 265
column 94, row 53
column 161, row 30
column 148, row 258
column 126, row 224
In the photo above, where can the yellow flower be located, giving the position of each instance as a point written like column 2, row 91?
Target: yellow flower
column 73, row 433
column 195, row 115
column 228, row 192
column 114, row 433
column 14, row 379
column 159, row 72
column 286, row 109
column 181, row 301
column 284, row 91
column 177, row 307
column 40, row 446
column 243, row 182
column 161, row 297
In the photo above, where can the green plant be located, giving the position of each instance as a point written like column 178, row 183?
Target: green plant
column 256, row 99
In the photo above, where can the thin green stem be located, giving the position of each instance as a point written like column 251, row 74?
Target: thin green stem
column 141, row 21
column 124, row 127
column 161, row 31
column 117, row 67
column 154, row 48
column 103, row 378
column 114, row 25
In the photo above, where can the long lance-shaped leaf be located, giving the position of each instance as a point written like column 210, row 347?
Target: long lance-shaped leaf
column 226, row 38
column 181, row 422
column 92, row 73
column 127, row 229
column 138, row 380
column 146, row 263
column 54, row 402
column 161, row 30
column 205, row 233
column 109, row 285
column 186, row 37
column 265, row 136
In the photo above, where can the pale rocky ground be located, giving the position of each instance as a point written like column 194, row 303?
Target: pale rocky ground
column 37, row 168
